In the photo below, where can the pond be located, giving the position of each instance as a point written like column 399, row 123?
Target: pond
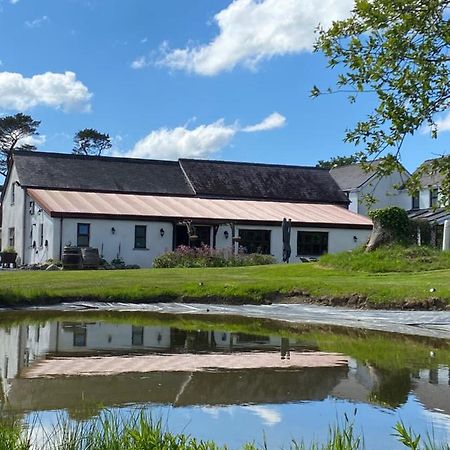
column 229, row 379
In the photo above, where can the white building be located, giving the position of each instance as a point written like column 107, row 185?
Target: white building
column 138, row 209
column 358, row 184
column 427, row 204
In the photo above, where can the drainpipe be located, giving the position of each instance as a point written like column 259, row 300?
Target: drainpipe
column 446, row 239
column 60, row 237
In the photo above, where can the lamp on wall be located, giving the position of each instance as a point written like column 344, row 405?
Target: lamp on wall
column 355, row 239
column 113, row 230
column 226, row 234
column 162, row 232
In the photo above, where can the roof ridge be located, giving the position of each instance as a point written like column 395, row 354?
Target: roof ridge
column 92, row 157
column 243, row 163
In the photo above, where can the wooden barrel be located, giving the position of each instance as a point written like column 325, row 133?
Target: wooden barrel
column 71, row 258
column 91, row 258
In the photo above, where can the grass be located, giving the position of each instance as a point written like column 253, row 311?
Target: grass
column 394, row 258
column 139, row 432
column 251, row 284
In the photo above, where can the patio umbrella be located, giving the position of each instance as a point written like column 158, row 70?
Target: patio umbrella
column 286, row 229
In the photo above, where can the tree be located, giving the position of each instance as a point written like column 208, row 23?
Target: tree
column 91, row 142
column 337, row 161
column 14, row 130
column 397, row 52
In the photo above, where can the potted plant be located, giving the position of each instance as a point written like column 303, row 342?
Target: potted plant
column 8, row 256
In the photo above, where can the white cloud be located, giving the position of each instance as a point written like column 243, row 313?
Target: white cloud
column 270, row 417
column 56, row 90
column 36, row 23
column 199, row 142
column 251, row 31
column 182, row 142
column 275, row 120
column 443, row 124
column 139, row 63
column 38, row 140
column 14, row 1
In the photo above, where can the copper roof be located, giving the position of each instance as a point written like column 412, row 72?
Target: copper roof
column 82, row 204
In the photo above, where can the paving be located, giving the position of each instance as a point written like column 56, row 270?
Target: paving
column 423, row 323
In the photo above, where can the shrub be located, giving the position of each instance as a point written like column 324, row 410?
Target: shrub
column 393, row 220
column 205, row 256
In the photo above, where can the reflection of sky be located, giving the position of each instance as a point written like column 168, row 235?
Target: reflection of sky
column 279, row 424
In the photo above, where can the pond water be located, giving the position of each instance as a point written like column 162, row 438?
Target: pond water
column 228, row 379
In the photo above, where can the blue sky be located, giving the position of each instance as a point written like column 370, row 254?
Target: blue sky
column 222, row 80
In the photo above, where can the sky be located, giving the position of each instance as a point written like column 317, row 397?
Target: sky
column 218, row 79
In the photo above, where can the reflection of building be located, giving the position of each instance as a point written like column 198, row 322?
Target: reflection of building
column 23, row 349
column 26, row 346
column 368, row 384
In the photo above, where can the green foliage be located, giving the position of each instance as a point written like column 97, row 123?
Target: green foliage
column 91, row 142
column 398, row 53
column 395, row 220
column 13, row 129
column 337, row 161
column 10, row 250
column 205, row 256
column 393, row 258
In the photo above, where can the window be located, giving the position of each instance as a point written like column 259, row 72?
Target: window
column 32, row 208
column 13, row 193
column 140, row 236
column 11, row 237
column 79, row 336
column 255, row 241
column 312, row 243
column 137, row 335
column 83, row 233
column 41, row 235
column 434, row 192
column 415, row 201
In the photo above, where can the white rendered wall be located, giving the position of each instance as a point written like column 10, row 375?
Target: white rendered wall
column 339, row 239
column 354, row 203
column 35, row 253
column 384, row 192
column 13, row 214
column 105, row 336
column 121, row 243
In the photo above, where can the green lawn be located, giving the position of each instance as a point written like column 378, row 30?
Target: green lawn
column 247, row 283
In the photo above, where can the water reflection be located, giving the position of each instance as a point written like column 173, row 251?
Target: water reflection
column 82, row 367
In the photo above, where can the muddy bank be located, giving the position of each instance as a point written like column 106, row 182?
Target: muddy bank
column 354, row 301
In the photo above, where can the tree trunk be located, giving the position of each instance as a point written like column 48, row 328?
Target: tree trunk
column 380, row 236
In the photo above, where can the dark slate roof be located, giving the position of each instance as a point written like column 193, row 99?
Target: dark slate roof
column 429, row 178
column 187, row 177
column 101, row 174
column 262, row 181
column 352, row 176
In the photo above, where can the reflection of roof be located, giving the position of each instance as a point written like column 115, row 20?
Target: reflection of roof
column 438, row 216
column 178, row 388
column 186, row 362
column 79, row 204
column 352, row 176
